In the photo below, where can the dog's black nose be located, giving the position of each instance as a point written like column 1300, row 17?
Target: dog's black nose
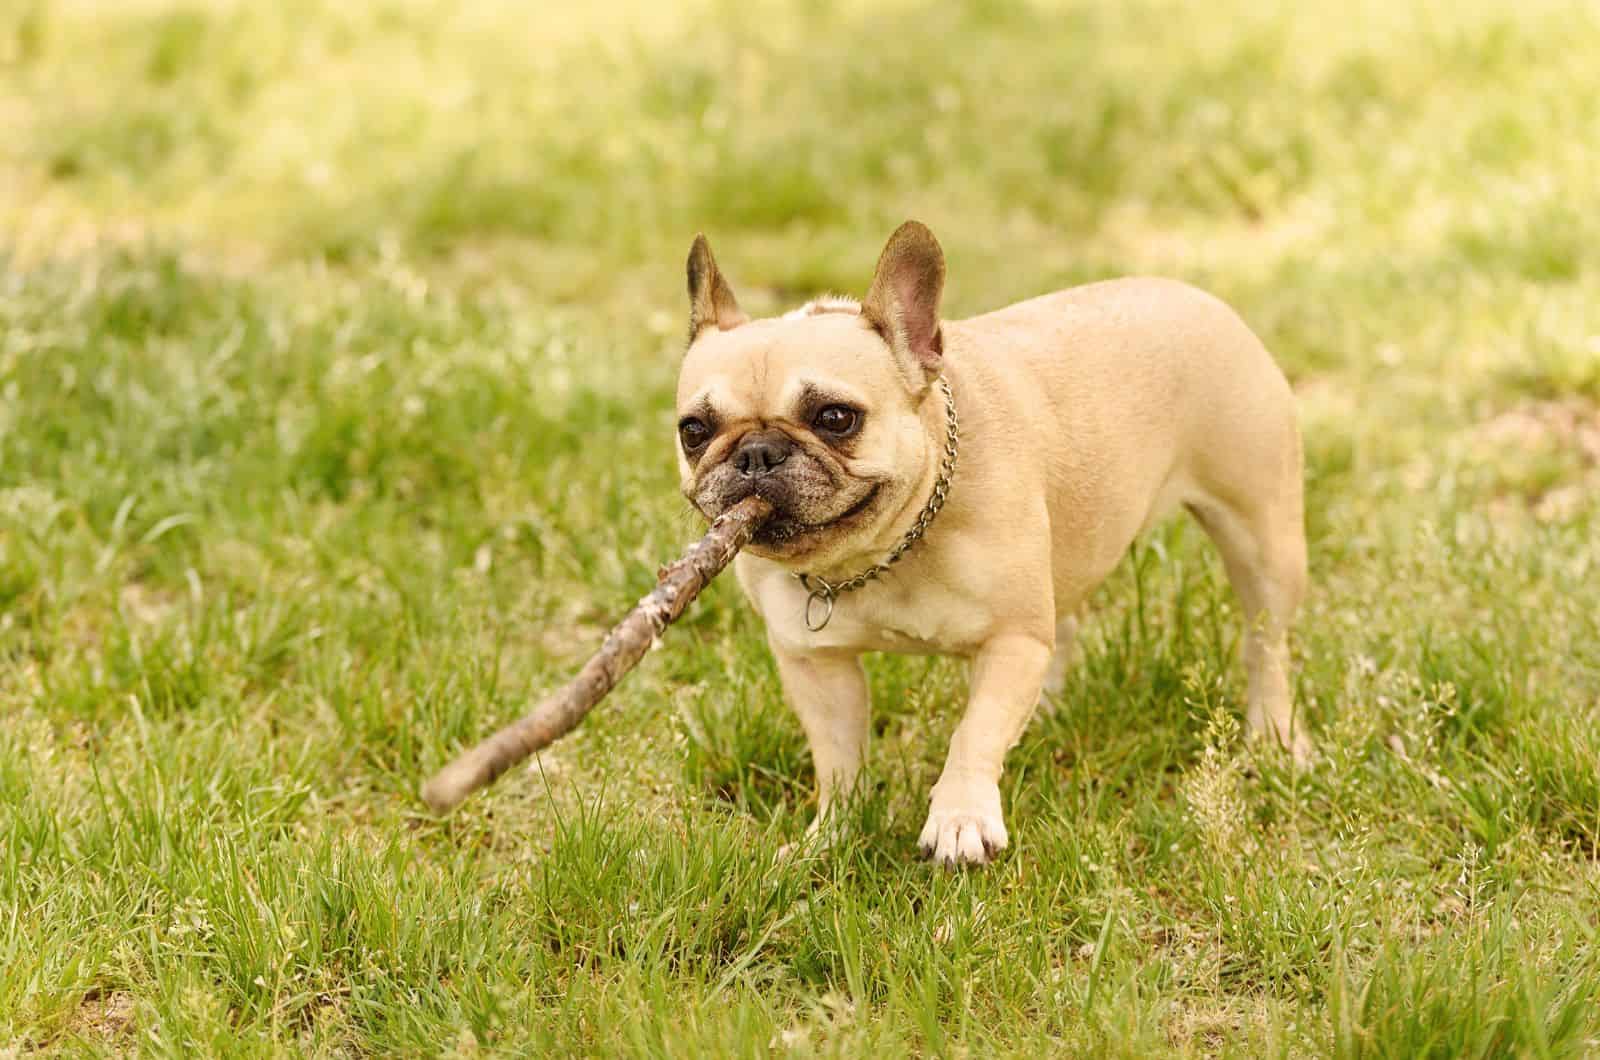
column 761, row 452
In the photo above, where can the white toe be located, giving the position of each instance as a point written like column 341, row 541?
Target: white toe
column 964, row 828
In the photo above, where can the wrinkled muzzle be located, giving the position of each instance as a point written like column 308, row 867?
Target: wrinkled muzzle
column 806, row 492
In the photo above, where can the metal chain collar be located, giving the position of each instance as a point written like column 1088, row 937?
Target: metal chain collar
column 819, row 605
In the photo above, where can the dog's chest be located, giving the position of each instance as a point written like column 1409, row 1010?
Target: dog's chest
column 889, row 615
column 912, row 629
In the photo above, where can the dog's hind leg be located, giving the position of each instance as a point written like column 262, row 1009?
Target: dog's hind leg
column 1264, row 551
column 1065, row 656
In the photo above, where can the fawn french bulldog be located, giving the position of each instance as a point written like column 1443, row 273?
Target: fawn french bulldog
column 961, row 486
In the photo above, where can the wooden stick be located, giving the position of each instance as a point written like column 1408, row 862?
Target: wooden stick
column 676, row 587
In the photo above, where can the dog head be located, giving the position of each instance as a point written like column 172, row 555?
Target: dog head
column 820, row 411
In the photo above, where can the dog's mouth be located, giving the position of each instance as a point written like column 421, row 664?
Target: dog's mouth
column 785, row 534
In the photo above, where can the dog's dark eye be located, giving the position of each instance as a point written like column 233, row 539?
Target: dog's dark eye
column 693, row 432
column 836, row 419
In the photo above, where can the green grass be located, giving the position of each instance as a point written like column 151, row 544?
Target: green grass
column 337, row 344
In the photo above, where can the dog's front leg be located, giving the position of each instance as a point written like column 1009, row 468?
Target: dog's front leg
column 965, row 824
column 829, row 693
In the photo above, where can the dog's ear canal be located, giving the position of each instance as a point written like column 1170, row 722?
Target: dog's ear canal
column 711, row 300
column 903, row 303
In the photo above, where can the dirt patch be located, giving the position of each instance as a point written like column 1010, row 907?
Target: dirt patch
column 1548, row 452
column 146, row 606
column 103, row 1015
column 1570, row 423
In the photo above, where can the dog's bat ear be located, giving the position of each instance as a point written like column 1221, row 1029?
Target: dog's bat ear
column 711, row 300
column 903, row 303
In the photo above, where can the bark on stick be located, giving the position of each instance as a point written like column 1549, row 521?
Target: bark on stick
column 676, row 587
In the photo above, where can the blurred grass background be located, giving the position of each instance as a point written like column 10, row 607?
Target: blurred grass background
column 336, row 352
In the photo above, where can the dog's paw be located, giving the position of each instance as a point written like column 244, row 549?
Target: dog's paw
column 1296, row 743
column 796, row 850
column 818, row 838
column 964, row 827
